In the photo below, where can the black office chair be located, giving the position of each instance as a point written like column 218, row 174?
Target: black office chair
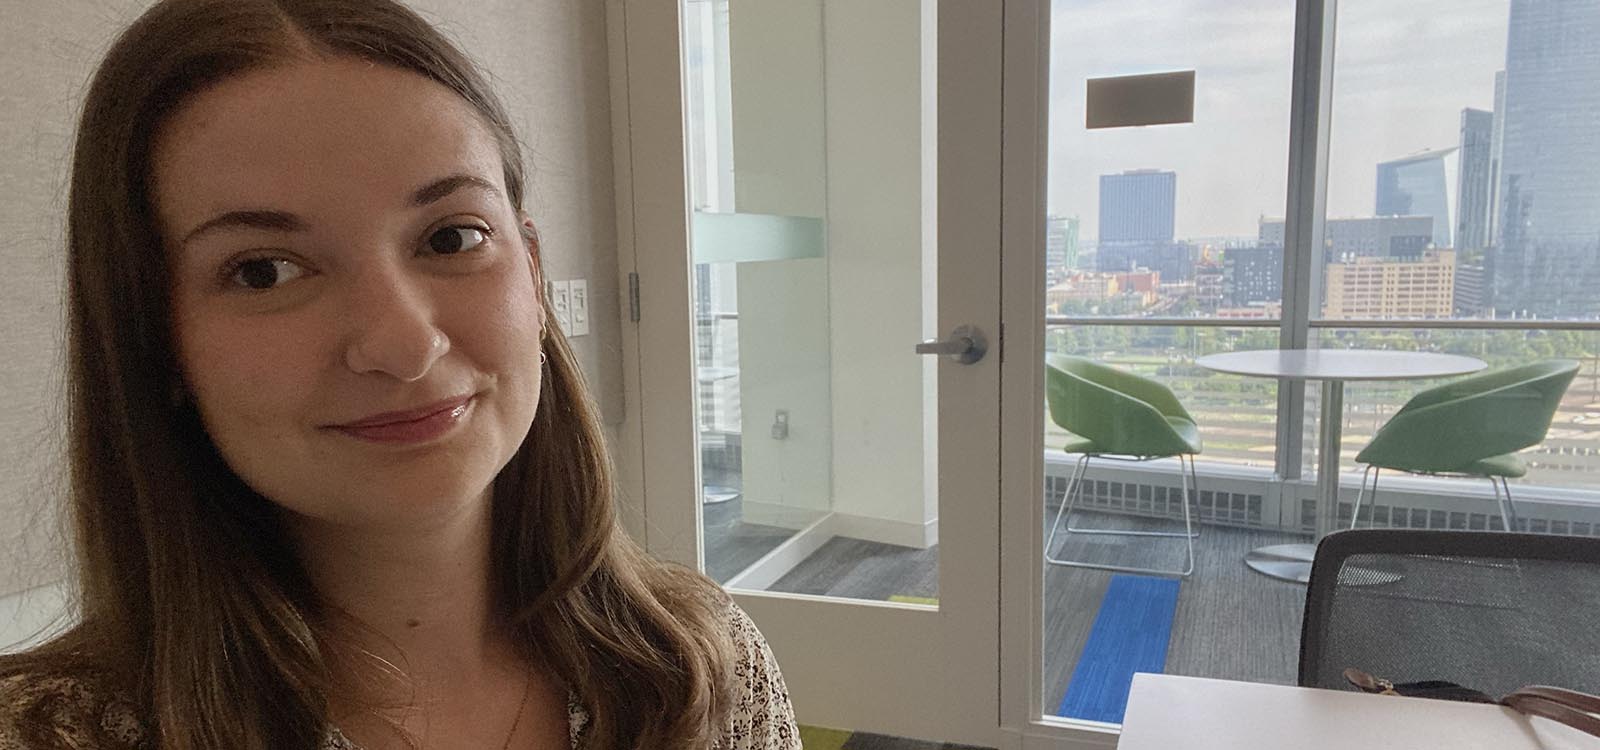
column 1486, row 610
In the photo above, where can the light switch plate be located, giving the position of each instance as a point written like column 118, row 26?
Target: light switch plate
column 561, row 300
column 580, row 307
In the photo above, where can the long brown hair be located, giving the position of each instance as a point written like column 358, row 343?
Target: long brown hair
column 193, row 604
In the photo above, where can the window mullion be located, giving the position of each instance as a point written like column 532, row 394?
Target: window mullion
column 1310, row 107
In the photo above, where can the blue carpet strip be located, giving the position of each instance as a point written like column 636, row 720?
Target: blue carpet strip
column 1130, row 635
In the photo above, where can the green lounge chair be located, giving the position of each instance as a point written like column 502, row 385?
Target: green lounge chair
column 1117, row 415
column 1471, row 427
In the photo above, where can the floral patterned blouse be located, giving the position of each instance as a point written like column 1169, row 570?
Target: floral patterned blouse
column 761, row 718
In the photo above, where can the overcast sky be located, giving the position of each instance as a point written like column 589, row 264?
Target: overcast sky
column 1403, row 71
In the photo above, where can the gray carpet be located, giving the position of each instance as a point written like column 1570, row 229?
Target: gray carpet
column 864, row 570
column 733, row 545
column 1231, row 622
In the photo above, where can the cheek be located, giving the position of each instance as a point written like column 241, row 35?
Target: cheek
column 247, row 379
column 503, row 329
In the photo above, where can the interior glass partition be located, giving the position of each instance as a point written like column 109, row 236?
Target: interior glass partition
column 815, row 275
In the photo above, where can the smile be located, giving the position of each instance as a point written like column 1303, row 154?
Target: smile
column 423, row 429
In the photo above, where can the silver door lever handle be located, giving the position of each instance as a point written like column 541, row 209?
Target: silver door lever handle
column 965, row 345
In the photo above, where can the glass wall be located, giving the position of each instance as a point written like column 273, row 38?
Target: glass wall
column 1460, row 217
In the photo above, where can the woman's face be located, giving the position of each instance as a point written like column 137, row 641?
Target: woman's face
column 345, row 259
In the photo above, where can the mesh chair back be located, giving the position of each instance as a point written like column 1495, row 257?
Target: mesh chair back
column 1486, row 610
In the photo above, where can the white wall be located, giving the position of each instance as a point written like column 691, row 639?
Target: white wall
column 779, row 167
column 876, row 252
column 547, row 58
column 28, row 618
column 828, row 105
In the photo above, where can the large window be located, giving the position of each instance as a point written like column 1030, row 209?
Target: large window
column 1437, row 192
column 1459, row 186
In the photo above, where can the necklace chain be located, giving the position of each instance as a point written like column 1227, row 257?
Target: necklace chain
column 516, row 721
column 527, row 687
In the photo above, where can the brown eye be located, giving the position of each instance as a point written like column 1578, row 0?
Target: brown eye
column 261, row 274
column 452, row 240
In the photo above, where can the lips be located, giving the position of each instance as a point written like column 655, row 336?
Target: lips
column 412, row 425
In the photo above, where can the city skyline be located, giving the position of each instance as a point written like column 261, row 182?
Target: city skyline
column 1241, row 53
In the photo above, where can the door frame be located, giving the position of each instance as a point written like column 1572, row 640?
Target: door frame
column 992, row 644
column 953, row 696
column 1025, row 163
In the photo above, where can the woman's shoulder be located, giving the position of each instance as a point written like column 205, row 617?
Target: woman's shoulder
column 761, row 716
column 43, row 708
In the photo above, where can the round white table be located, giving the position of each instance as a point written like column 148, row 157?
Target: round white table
column 1292, row 562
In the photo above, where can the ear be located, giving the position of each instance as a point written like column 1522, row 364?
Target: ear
column 530, row 236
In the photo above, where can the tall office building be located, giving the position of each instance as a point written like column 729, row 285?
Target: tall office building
column 1138, row 206
column 1548, row 259
column 1137, row 225
column 1470, row 298
column 1061, row 242
column 1496, row 143
column 1472, row 191
column 1420, row 185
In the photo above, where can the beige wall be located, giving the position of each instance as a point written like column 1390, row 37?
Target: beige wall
column 548, row 60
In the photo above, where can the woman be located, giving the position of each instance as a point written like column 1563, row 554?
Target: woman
column 335, row 482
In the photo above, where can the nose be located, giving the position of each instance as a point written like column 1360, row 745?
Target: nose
column 390, row 322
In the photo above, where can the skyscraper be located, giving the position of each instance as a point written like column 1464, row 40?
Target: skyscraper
column 1137, row 210
column 1138, row 206
column 1496, row 146
column 1548, row 259
column 1061, row 242
column 1472, row 191
column 1420, row 185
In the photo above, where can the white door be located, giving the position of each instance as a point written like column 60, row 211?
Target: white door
column 807, row 191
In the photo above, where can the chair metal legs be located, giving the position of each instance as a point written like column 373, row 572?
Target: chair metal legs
column 1508, row 511
column 1075, row 488
column 1502, row 496
column 1355, row 511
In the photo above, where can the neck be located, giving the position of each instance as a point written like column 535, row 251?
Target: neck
column 420, row 599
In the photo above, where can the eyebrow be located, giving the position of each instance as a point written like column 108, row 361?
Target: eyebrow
column 283, row 221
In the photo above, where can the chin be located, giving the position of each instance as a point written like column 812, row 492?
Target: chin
column 396, row 500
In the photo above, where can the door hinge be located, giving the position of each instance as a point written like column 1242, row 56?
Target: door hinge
column 633, row 296
column 1001, row 343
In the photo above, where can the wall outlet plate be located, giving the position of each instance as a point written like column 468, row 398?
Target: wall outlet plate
column 561, row 301
column 579, row 302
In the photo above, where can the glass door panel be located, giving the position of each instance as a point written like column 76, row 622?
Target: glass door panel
column 815, row 271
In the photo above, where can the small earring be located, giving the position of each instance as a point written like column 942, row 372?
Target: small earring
column 543, row 360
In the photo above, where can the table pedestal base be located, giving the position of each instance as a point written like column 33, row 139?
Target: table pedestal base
column 1288, row 562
